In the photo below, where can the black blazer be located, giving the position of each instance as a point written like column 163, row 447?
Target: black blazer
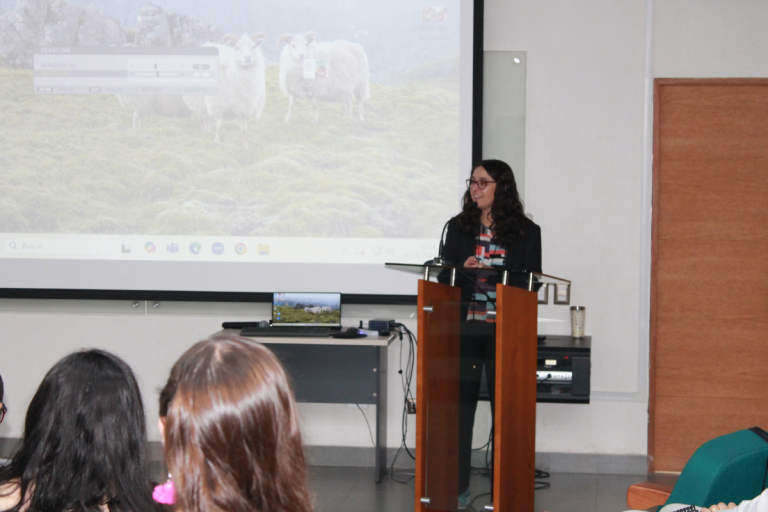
column 522, row 255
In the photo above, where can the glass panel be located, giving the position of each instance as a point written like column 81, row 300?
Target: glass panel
column 504, row 75
column 441, row 407
column 519, row 278
column 460, row 380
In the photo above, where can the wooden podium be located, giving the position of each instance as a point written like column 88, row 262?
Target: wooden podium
column 437, row 397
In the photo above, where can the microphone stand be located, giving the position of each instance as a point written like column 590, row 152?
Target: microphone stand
column 439, row 260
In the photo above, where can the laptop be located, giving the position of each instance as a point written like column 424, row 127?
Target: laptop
column 301, row 314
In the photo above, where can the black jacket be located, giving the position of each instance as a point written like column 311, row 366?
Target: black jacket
column 522, row 255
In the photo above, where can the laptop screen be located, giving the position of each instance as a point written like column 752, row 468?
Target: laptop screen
column 306, row 309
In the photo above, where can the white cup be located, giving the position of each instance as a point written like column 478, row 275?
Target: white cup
column 578, row 314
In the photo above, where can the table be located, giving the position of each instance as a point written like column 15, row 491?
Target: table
column 339, row 371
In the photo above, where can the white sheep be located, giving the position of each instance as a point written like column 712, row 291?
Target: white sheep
column 328, row 71
column 326, row 309
column 242, row 90
column 314, row 310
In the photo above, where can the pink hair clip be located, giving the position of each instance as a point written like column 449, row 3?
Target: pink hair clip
column 165, row 494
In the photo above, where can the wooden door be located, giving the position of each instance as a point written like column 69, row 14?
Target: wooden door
column 709, row 278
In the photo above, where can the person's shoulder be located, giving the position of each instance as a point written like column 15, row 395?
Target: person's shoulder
column 531, row 227
column 529, row 223
column 9, row 495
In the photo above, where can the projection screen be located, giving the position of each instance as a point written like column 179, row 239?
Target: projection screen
column 235, row 146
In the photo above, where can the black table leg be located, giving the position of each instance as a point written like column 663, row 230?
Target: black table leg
column 381, row 414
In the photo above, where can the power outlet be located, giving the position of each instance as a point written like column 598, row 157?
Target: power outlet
column 411, row 405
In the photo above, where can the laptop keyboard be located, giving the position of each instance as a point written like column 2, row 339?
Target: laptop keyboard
column 286, row 332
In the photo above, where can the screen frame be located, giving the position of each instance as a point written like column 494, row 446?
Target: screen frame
column 266, row 297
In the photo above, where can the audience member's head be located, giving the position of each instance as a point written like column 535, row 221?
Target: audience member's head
column 232, row 439
column 84, row 442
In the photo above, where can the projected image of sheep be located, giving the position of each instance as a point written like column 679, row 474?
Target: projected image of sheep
column 330, row 121
column 327, row 71
column 241, row 84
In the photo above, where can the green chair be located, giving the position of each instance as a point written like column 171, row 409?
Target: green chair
column 733, row 467
column 728, row 468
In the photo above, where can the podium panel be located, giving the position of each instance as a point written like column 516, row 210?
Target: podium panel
column 437, row 398
column 515, row 427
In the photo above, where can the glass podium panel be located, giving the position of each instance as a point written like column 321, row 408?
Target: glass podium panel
column 441, row 406
column 461, row 354
column 549, row 288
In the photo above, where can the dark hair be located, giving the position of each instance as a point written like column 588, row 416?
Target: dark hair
column 509, row 220
column 166, row 394
column 2, row 388
column 84, row 441
column 232, row 440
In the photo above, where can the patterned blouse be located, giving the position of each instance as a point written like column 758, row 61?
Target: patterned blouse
column 490, row 254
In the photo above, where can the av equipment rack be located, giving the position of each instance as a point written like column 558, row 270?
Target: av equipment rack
column 562, row 372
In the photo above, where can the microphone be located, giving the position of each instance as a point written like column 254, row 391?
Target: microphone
column 440, row 260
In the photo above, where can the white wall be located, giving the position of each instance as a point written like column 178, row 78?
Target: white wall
column 590, row 69
column 35, row 334
column 710, row 38
column 586, row 166
column 584, row 157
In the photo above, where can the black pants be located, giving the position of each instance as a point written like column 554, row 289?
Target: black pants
column 478, row 350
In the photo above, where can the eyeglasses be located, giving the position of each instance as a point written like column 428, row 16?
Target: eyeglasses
column 2, row 413
column 481, row 183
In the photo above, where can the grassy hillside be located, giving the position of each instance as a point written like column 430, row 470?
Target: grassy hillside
column 299, row 316
column 73, row 164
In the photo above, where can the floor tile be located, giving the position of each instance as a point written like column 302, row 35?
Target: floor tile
column 343, row 489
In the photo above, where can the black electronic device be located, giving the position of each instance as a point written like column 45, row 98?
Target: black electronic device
column 285, row 332
column 380, row 324
column 241, row 325
column 350, row 333
column 238, row 325
column 563, row 369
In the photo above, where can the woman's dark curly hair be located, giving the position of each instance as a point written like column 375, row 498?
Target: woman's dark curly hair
column 509, row 220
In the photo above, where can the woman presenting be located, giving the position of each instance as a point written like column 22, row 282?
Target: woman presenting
column 491, row 232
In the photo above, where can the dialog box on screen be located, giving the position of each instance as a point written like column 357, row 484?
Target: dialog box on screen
column 126, row 70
